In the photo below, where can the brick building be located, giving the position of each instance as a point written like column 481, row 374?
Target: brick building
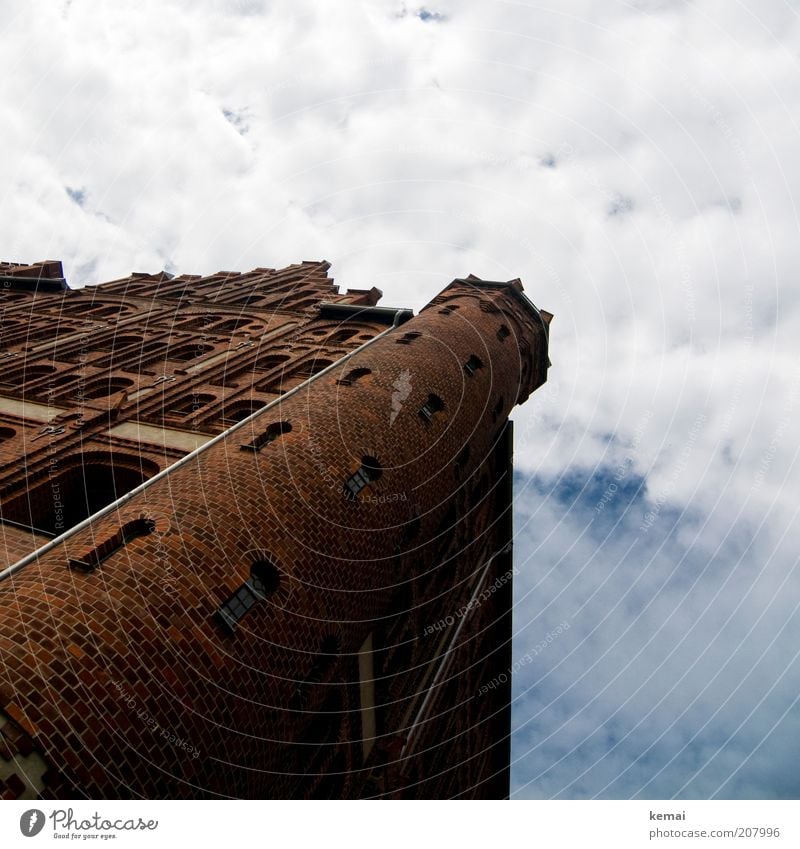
column 257, row 535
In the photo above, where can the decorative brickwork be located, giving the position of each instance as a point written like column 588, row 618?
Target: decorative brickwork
column 309, row 604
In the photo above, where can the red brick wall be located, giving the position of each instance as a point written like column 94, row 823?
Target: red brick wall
column 122, row 677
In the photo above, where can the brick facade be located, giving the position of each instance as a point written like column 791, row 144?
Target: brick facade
column 309, row 604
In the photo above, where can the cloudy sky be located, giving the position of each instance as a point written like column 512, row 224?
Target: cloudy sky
column 635, row 163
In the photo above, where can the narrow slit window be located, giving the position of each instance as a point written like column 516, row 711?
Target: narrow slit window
column 354, row 376
column 273, row 432
column 408, row 338
column 263, row 581
column 472, row 365
column 369, row 471
column 503, row 332
column 127, row 533
column 431, row 407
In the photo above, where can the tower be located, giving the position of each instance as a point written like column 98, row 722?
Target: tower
column 258, row 535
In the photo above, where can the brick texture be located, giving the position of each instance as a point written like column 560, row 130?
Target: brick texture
column 372, row 506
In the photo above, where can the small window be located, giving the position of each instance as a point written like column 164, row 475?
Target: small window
column 408, row 338
column 7, row 433
column 239, row 411
column 312, row 367
column 230, row 325
column 186, row 353
column 341, row 336
column 264, row 578
column 304, row 304
column 431, row 407
column 104, row 312
column 128, row 532
column 369, row 471
column 472, row 365
column 503, row 332
column 353, row 376
column 263, row 581
column 448, row 310
column 103, row 388
column 273, row 432
column 29, row 374
column 189, row 405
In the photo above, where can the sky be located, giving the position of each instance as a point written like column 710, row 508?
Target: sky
column 635, row 164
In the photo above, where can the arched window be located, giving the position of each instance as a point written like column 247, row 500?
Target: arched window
column 108, row 311
column 184, row 353
column 84, row 484
column 231, row 325
column 188, row 405
column 264, row 580
column 503, row 332
column 241, row 410
column 341, row 336
column 353, row 376
column 431, row 407
column 27, row 375
column 104, row 387
column 369, row 471
column 268, row 361
column 303, row 304
column 128, row 532
column 273, row 432
column 472, row 365
column 117, row 343
column 151, row 353
column 198, row 322
column 247, row 300
column 60, row 380
column 311, row 367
